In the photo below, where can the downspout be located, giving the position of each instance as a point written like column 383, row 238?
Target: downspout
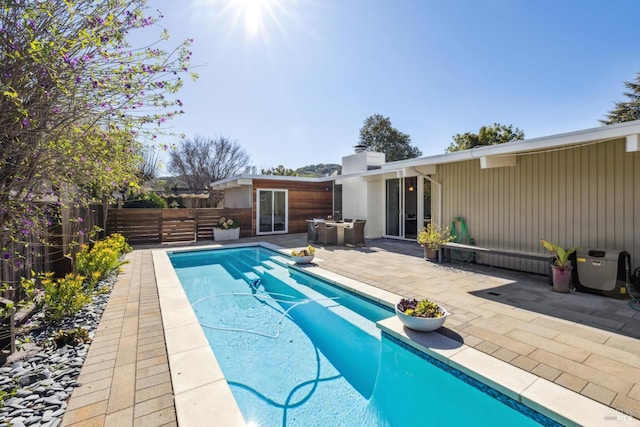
column 252, row 198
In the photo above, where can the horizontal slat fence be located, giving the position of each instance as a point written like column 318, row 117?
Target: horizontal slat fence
column 172, row 225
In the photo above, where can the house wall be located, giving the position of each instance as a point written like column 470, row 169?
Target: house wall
column 238, row 198
column 585, row 196
column 376, row 208
column 354, row 198
column 306, row 200
column 364, row 199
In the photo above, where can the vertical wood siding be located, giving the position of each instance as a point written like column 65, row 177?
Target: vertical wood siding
column 587, row 196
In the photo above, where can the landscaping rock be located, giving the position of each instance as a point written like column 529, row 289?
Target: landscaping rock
column 41, row 377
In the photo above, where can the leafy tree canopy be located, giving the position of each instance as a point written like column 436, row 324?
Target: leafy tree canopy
column 76, row 99
column 279, row 170
column 319, row 170
column 629, row 110
column 378, row 135
column 487, row 135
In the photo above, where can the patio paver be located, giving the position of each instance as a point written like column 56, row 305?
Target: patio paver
column 585, row 343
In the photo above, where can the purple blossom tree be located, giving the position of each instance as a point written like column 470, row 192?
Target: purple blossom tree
column 76, row 100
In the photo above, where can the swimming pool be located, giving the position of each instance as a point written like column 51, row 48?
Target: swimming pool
column 296, row 350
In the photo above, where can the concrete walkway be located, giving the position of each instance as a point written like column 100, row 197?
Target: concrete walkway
column 583, row 342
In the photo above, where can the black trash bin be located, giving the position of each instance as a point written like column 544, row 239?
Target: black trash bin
column 603, row 271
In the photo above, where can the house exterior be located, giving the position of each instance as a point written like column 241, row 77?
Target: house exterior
column 280, row 204
column 574, row 189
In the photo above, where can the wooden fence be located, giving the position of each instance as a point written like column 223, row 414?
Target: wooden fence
column 173, row 225
column 49, row 248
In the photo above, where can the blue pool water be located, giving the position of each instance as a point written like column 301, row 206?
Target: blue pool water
column 297, row 351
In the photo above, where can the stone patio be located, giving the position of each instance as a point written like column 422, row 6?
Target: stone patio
column 586, row 343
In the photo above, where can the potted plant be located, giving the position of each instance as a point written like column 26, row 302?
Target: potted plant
column 421, row 315
column 431, row 237
column 561, row 267
column 227, row 229
column 303, row 256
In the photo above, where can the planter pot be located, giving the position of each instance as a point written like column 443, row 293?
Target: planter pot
column 561, row 277
column 222, row 234
column 422, row 324
column 302, row 259
column 430, row 254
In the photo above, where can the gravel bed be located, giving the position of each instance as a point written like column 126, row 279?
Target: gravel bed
column 41, row 377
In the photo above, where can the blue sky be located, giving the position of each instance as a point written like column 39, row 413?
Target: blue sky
column 294, row 83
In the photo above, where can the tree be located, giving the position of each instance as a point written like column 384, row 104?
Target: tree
column 200, row 161
column 377, row 134
column 319, row 170
column 149, row 163
column 279, row 170
column 75, row 96
column 626, row 111
column 487, row 135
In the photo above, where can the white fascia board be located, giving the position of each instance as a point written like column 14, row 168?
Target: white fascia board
column 240, row 180
column 245, row 181
column 633, row 143
column 620, row 130
column 426, row 169
column 488, row 162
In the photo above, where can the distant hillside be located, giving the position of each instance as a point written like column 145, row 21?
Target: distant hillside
column 319, row 170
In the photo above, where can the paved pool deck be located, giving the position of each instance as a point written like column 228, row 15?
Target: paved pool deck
column 581, row 342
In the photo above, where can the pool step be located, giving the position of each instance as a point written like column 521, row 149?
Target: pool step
column 282, row 260
column 270, row 265
column 328, row 303
column 250, row 276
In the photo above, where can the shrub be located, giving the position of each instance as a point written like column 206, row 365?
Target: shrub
column 433, row 236
column 71, row 337
column 103, row 259
column 117, row 242
column 147, row 200
column 63, row 297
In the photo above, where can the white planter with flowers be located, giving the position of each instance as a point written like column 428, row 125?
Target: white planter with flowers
column 222, row 234
column 303, row 256
column 227, row 229
column 423, row 315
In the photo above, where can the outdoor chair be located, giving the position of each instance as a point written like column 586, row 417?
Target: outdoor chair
column 327, row 234
column 354, row 236
column 312, row 231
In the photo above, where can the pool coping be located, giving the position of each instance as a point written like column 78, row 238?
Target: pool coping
column 203, row 394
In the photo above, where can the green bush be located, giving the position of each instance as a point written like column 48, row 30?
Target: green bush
column 117, row 242
column 63, row 297
column 146, row 200
column 101, row 260
column 66, row 296
column 71, row 337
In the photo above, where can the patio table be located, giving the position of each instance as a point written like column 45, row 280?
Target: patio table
column 340, row 225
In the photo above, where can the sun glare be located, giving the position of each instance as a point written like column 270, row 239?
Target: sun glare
column 252, row 11
column 256, row 19
column 255, row 13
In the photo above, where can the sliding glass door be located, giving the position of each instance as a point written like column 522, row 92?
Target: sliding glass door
column 394, row 210
column 401, row 196
column 272, row 214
